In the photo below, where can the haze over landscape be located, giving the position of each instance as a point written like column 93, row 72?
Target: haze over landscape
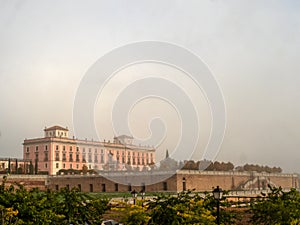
column 251, row 47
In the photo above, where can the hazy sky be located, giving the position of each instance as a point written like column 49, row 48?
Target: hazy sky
column 252, row 48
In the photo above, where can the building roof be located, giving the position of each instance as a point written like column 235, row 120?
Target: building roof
column 124, row 136
column 56, row 128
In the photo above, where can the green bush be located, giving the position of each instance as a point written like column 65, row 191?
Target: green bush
column 21, row 206
column 277, row 208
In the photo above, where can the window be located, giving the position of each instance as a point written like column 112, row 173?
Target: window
column 64, row 166
column 96, row 159
column 56, row 187
column 77, row 157
column 56, row 156
column 165, row 186
column 129, row 187
column 46, row 165
column 79, row 187
column 91, row 188
column 103, row 188
column 36, row 148
column 64, row 157
column 68, row 186
column 46, row 147
column 116, row 187
column 90, row 158
column 71, row 166
column 77, row 166
column 57, row 165
column 143, row 187
column 27, row 149
column 183, row 184
column 77, row 149
column 95, row 151
column 90, row 150
column 46, row 156
column 71, row 157
column 56, row 147
column 64, row 148
column 70, row 148
column 83, row 158
column 102, row 158
column 83, row 150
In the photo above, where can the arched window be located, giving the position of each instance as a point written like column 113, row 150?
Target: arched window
column 184, row 184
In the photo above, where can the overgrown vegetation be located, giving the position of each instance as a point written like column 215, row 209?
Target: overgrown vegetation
column 21, row 206
column 277, row 208
column 182, row 208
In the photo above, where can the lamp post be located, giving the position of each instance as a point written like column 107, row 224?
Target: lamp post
column 217, row 192
column 142, row 192
column 134, row 195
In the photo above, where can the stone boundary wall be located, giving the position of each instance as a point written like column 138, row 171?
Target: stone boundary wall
column 182, row 180
column 29, row 181
column 206, row 180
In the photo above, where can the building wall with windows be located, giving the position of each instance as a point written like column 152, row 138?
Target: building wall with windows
column 14, row 166
column 56, row 151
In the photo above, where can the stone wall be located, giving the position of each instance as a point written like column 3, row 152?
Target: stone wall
column 182, row 180
column 159, row 181
column 29, row 181
column 206, row 180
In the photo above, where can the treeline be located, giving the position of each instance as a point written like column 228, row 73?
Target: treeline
column 258, row 168
column 227, row 166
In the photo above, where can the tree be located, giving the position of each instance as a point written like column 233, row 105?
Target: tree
column 21, row 206
column 277, row 207
column 84, row 169
column 219, row 166
column 183, row 208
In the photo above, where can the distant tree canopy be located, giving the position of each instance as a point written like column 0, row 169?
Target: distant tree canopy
column 258, row 168
column 220, row 166
column 226, row 166
column 208, row 165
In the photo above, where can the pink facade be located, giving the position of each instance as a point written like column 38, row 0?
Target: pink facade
column 56, row 151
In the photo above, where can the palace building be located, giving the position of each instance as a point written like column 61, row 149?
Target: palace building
column 56, row 151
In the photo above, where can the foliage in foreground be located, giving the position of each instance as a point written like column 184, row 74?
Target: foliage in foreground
column 277, row 208
column 183, row 208
column 21, row 206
